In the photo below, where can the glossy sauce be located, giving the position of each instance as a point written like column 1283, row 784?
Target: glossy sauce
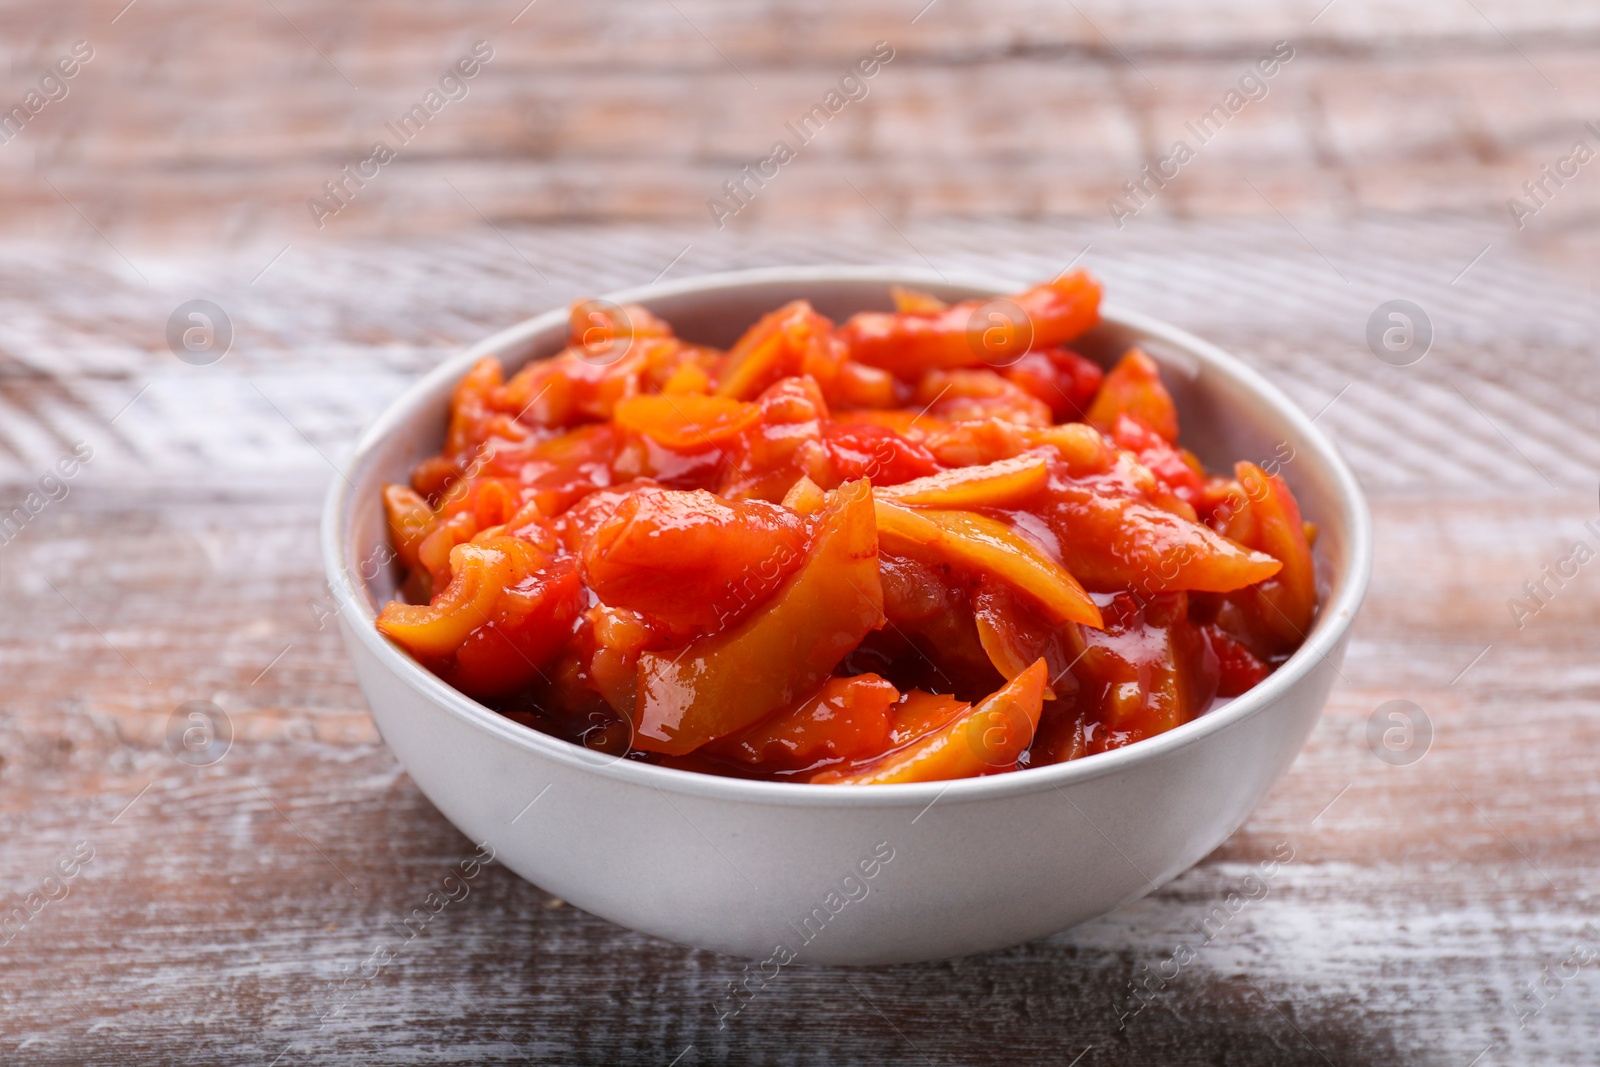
column 920, row 544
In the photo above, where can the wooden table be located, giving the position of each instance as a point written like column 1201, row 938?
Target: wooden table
column 224, row 903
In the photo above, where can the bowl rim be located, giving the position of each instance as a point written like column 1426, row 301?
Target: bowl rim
column 359, row 620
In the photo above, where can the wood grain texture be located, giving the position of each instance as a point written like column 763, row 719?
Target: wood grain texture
column 220, row 121
column 223, row 904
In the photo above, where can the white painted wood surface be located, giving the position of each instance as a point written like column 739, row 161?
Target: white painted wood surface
column 221, row 902
column 218, row 906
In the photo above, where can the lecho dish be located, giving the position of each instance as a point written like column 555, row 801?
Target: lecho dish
column 917, row 545
column 729, row 863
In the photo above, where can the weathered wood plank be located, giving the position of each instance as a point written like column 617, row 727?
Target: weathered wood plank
column 1503, row 396
column 1416, row 904
column 1012, row 110
column 221, row 902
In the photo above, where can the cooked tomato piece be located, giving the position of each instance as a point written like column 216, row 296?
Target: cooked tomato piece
column 848, row 718
column 531, row 621
column 556, row 469
column 1148, row 671
column 977, row 395
column 473, row 415
column 784, row 444
column 691, row 562
column 874, row 452
column 1175, row 469
column 504, row 613
column 860, row 386
column 970, row 444
column 918, row 713
column 614, row 640
column 1064, row 380
column 930, row 639
column 1238, row 668
column 576, row 386
column 579, row 522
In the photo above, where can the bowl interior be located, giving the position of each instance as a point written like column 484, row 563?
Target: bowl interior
column 1227, row 412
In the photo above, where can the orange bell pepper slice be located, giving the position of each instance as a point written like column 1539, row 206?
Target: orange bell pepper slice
column 1269, row 520
column 908, row 344
column 920, row 713
column 434, row 550
column 410, row 519
column 985, row 740
column 731, row 680
column 687, row 380
column 1084, row 449
column 1115, row 543
column 478, row 574
column 790, row 341
column 1134, row 388
column 686, row 423
column 848, row 718
column 805, row 497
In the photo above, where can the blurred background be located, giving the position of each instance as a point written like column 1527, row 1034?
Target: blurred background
column 216, row 122
column 1438, row 153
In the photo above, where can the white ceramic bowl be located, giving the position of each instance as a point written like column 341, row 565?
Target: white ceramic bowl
column 851, row 874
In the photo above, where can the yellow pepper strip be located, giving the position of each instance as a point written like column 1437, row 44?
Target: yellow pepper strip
column 805, row 497
column 987, row 739
column 992, row 485
column 989, row 545
column 776, row 657
column 478, row 573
